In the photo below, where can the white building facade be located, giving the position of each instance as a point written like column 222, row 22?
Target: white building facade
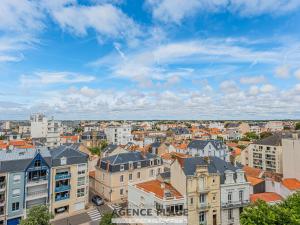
column 119, row 135
column 235, row 195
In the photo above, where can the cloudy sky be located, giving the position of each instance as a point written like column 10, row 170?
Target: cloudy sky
column 151, row 59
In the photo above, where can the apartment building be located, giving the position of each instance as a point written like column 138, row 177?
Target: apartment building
column 69, row 181
column 208, row 148
column 199, row 181
column 42, row 127
column 159, row 197
column 30, row 179
column 291, row 156
column 235, row 192
column 266, row 154
column 3, row 198
column 119, row 135
column 114, row 173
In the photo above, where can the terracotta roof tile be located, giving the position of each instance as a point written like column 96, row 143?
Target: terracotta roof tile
column 267, row 197
column 254, row 180
column 158, row 188
column 291, row 184
column 253, row 172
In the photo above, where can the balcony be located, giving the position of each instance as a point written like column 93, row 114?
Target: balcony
column 204, row 206
column 235, row 204
column 62, row 176
column 203, row 190
column 63, row 188
column 37, row 194
column 2, row 201
column 37, row 181
column 61, row 198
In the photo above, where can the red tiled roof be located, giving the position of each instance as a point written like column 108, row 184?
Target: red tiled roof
column 92, row 174
column 254, row 180
column 267, row 197
column 291, row 184
column 156, row 187
column 253, row 172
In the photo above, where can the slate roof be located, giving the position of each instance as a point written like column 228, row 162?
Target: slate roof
column 122, row 158
column 200, row 144
column 275, row 139
column 71, row 152
column 214, row 164
column 18, row 159
column 180, row 130
column 110, row 148
column 232, row 125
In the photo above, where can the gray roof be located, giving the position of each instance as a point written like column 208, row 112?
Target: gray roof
column 232, row 125
column 122, row 158
column 71, row 152
column 110, row 148
column 180, row 130
column 200, row 144
column 275, row 139
column 214, row 164
column 18, row 159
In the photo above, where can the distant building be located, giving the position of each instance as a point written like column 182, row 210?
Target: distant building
column 291, row 157
column 274, row 126
column 119, row 135
column 208, row 148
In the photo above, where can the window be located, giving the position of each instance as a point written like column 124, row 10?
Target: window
column 139, row 165
column 81, row 169
column 17, row 178
column 191, row 201
column 121, row 178
column 121, row 191
column 81, row 181
column 16, row 192
column 80, row 192
column 151, row 162
column 121, row 167
column 130, row 176
column 229, row 197
column 230, row 214
column 241, row 195
column 202, row 198
column 151, row 173
column 37, row 163
column 130, row 165
column 63, row 161
column 15, row 206
column 202, row 217
column 138, row 175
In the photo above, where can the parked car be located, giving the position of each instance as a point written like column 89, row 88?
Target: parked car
column 97, row 200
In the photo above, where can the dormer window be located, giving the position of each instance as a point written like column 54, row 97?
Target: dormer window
column 130, row 165
column 122, row 167
column 158, row 162
column 151, row 162
column 63, row 161
column 37, row 163
column 139, row 165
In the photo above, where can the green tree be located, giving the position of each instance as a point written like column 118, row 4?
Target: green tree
column 251, row 135
column 2, row 137
column 106, row 219
column 95, row 150
column 297, row 126
column 261, row 213
column 38, row 215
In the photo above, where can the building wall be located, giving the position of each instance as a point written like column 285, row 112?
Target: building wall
column 11, row 199
column 73, row 199
column 290, row 158
column 108, row 184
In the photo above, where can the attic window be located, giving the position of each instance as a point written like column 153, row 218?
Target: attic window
column 121, row 167
column 37, row 163
column 63, row 161
column 139, row 165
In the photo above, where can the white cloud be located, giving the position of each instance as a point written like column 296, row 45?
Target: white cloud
column 252, row 79
column 253, row 90
column 20, row 15
column 228, row 86
column 176, row 10
column 297, row 73
column 105, row 19
column 46, row 78
column 282, row 71
column 267, row 88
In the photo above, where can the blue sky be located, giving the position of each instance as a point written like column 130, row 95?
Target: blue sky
column 152, row 59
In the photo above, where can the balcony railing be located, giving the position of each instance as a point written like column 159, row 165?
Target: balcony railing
column 62, row 188
column 235, row 204
column 61, row 198
column 37, row 181
column 37, row 193
column 62, row 176
column 204, row 206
